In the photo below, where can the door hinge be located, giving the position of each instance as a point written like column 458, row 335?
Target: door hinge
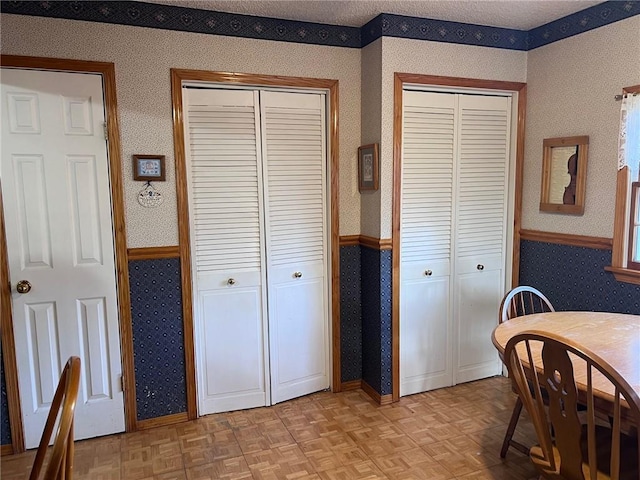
column 122, row 383
column 106, row 131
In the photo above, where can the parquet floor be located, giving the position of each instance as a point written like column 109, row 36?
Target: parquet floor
column 444, row 434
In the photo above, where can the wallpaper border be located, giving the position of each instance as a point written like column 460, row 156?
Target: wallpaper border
column 168, row 17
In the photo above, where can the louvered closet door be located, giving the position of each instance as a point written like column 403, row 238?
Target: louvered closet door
column 428, row 151
column 480, row 231
column 225, row 210
column 294, row 149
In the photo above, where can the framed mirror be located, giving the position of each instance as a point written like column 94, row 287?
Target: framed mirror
column 564, row 174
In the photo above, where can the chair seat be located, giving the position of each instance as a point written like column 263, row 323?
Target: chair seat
column 629, row 464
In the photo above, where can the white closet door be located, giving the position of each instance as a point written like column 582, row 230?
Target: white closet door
column 294, row 148
column 482, row 176
column 428, row 152
column 225, row 209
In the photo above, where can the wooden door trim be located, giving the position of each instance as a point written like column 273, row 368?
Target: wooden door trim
column 8, row 347
column 400, row 79
column 107, row 71
column 229, row 78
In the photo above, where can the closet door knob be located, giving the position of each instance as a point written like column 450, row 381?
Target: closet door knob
column 231, row 281
column 23, row 286
column 480, row 266
column 428, row 273
column 297, row 275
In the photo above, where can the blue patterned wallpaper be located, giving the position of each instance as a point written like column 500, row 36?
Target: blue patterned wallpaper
column 376, row 319
column 371, row 327
column 166, row 17
column 158, row 346
column 583, row 21
column 573, row 278
column 350, row 314
column 150, row 15
column 386, row 276
column 5, row 428
column 387, row 25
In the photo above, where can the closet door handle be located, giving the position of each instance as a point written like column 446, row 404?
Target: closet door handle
column 231, row 281
column 480, row 266
column 297, row 275
column 428, row 273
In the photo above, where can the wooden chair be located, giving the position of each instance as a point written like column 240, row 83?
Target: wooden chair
column 60, row 466
column 574, row 451
column 520, row 301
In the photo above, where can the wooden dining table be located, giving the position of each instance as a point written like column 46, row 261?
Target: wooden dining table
column 614, row 337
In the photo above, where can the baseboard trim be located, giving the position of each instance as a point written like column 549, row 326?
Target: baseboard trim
column 6, row 450
column 351, row 385
column 161, row 421
column 379, row 399
column 600, row 243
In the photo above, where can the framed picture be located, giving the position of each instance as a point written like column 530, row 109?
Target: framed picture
column 564, row 174
column 368, row 167
column 148, row 167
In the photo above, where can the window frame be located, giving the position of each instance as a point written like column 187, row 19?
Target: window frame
column 634, row 225
column 621, row 267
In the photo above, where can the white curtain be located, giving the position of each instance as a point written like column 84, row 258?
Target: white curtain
column 629, row 141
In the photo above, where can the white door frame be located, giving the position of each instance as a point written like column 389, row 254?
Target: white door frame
column 107, row 71
column 180, row 77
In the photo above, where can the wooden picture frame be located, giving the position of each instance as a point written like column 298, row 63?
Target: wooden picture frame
column 564, row 174
column 368, row 167
column 148, row 168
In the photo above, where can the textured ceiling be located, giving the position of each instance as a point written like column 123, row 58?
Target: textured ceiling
column 518, row 14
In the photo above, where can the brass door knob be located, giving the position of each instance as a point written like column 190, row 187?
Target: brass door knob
column 23, row 286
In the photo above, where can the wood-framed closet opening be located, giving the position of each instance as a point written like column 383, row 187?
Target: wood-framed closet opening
column 182, row 76
column 107, row 72
column 400, row 81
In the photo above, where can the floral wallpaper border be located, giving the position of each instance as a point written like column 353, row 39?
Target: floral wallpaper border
column 151, row 15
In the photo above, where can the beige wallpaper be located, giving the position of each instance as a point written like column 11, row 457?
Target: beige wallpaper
column 371, row 128
column 571, row 85
column 433, row 58
column 570, row 88
column 143, row 57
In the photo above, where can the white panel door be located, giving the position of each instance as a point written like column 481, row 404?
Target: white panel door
column 225, row 190
column 294, row 148
column 57, row 205
column 428, row 151
column 481, row 221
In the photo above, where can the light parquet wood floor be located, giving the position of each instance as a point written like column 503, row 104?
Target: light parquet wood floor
column 444, row 434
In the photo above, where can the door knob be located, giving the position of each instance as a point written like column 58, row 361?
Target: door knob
column 428, row 273
column 297, row 274
column 231, row 281
column 480, row 266
column 23, row 286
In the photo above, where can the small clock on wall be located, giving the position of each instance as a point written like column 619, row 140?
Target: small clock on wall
column 148, row 168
